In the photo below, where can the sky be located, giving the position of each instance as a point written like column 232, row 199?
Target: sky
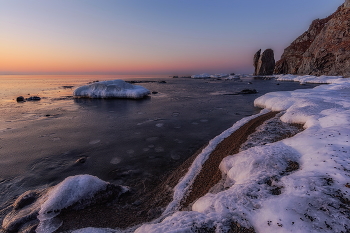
column 148, row 36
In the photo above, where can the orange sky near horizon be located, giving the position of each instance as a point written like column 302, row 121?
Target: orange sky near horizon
column 29, row 57
column 133, row 37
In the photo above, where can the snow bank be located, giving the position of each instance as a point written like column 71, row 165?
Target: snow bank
column 111, row 89
column 263, row 190
column 70, row 191
column 310, row 78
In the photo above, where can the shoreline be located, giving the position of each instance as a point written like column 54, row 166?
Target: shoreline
column 128, row 213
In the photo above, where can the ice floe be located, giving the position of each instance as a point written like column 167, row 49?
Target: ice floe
column 299, row 184
column 222, row 75
column 111, row 89
column 204, row 75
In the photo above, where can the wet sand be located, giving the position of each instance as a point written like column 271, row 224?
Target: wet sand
column 210, row 174
column 135, row 208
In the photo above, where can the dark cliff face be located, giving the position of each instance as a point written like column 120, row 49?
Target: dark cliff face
column 264, row 63
column 324, row 49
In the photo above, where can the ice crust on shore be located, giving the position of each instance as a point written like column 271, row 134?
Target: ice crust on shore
column 111, row 89
column 310, row 78
column 312, row 198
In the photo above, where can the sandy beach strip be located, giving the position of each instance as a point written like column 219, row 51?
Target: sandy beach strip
column 210, row 173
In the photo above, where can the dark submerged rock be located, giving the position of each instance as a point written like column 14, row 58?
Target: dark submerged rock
column 244, row 91
column 20, row 99
column 248, row 91
column 34, row 98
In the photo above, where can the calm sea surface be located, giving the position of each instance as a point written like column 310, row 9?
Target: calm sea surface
column 122, row 141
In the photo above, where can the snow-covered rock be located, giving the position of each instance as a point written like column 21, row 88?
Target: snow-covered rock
column 111, row 89
column 39, row 208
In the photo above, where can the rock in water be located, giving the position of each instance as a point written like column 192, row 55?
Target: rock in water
column 256, row 60
column 20, row 99
column 34, row 98
column 264, row 63
column 323, row 49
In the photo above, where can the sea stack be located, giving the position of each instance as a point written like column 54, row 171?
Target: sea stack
column 323, row 49
column 264, row 63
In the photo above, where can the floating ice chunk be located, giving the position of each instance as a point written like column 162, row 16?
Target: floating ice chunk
column 204, row 75
column 219, row 75
column 233, row 77
column 111, row 89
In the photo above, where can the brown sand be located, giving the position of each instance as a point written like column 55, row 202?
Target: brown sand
column 135, row 208
column 210, row 174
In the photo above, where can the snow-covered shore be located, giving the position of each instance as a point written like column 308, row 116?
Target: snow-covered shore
column 314, row 198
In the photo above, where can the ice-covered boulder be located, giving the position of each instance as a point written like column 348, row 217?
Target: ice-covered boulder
column 37, row 209
column 111, row 89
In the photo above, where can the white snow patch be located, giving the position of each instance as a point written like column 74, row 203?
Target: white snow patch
column 111, row 89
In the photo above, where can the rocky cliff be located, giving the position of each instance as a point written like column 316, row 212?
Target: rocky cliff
column 324, row 49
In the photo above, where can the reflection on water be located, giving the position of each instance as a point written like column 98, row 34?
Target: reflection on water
column 110, row 106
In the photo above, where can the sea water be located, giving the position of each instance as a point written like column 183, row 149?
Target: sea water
column 122, row 141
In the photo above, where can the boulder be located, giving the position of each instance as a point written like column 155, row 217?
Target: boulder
column 322, row 49
column 36, row 210
column 264, row 63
